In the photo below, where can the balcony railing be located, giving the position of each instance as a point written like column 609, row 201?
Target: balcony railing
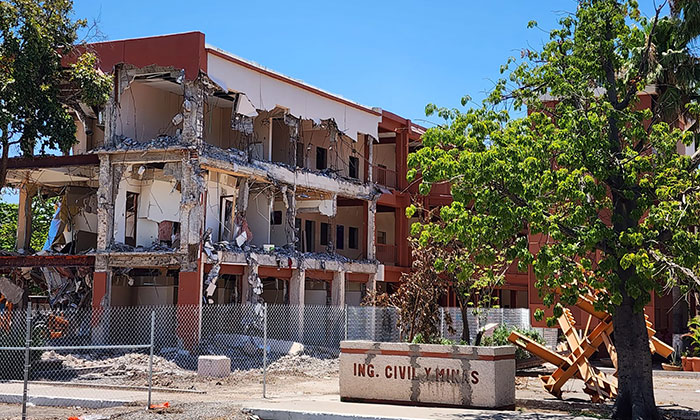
column 384, row 176
column 386, row 254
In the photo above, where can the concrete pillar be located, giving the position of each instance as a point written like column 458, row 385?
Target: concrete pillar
column 193, row 113
column 105, row 204
column 250, row 281
column 24, row 217
column 338, row 289
column 297, row 286
column 290, row 201
column 371, row 282
column 191, row 211
column 371, row 240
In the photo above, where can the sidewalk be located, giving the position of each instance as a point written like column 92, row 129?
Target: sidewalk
column 70, row 396
column 330, row 408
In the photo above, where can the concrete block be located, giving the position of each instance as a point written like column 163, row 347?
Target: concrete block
column 427, row 374
column 214, row 366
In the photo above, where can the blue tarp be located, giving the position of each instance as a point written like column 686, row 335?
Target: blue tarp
column 54, row 229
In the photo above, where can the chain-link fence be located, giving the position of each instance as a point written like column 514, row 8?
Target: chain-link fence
column 127, row 352
column 43, row 349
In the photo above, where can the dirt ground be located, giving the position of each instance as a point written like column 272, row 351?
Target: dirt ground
column 308, row 378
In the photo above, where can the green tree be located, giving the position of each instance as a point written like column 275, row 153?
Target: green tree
column 38, row 93
column 588, row 168
column 42, row 213
column 445, row 263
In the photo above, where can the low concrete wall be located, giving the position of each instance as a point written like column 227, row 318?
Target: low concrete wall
column 427, row 374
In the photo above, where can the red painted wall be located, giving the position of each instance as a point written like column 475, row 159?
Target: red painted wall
column 99, row 288
column 181, row 51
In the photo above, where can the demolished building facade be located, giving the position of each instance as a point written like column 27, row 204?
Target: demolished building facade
column 206, row 179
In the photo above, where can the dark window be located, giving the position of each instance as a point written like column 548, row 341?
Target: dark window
column 301, row 152
column 276, row 217
column 325, row 233
column 340, row 237
column 321, row 158
column 132, row 200
column 354, row 167
column 381, row 238
column 353, row 237
column 226, row 226
column 309, row 233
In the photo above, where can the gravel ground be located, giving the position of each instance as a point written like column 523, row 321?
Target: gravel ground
column 308, row 378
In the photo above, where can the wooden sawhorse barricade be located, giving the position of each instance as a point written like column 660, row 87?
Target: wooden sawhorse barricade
column 598, row 385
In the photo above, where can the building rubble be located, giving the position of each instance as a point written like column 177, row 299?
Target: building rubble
column 198, row 184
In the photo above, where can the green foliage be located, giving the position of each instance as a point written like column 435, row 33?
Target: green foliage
column 37, row 93
column 500, row 338
column 593, row 171
column 420, row 339
column 694, row 336
column 42, row 213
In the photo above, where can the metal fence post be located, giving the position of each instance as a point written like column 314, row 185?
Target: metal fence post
column 27, row 344
column 345, row 332
column 150, row 358
column 264, row 350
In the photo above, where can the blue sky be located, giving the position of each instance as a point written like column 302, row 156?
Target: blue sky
column 397, row 55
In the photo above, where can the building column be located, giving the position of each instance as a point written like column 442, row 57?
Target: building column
column 401, row 233
column 297, row 287
column 101, row 288
column 402, row 156
column 105, row 204
column 251, row 285
column 101, row 296
column 371, row 231
column 338, row 289
column 24, row 217
column 189, row 299
column 193, row 113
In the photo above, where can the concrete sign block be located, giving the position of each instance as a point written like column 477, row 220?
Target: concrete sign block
column 427, row 374
column 214, row 366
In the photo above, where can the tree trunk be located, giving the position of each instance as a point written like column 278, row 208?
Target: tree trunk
column 635, row 399
column 464, row 309
column 5, row 144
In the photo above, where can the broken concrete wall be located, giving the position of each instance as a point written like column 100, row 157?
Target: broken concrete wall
column 159, row 200
column 143, row 287
column 265, row 92
column 221, row 188
column 258, row 215
column 89, row 134
column 146, row 110
column 278, row 231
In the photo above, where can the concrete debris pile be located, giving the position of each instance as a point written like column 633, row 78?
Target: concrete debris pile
column 155, row 247
column 128, row 365
column 158, row 143
column 66, row 287
column 305, row 365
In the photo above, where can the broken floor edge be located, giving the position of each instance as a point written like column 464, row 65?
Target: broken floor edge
column 296, row 262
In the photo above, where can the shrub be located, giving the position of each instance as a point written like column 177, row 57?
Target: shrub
column 500, row 338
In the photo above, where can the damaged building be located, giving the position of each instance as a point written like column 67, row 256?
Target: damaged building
column 205, row 179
